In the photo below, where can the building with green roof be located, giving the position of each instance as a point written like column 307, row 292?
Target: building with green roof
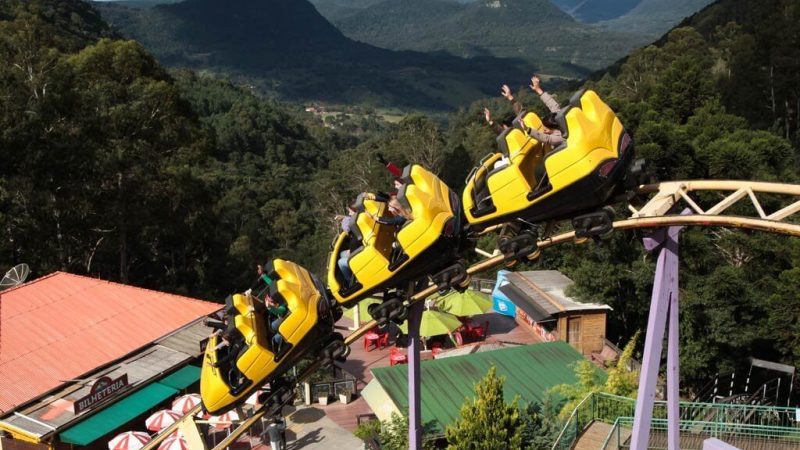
column 529, row 370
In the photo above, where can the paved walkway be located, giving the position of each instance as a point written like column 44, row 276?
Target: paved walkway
column 309, row 428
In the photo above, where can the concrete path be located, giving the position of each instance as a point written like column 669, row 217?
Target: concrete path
column 309, row 428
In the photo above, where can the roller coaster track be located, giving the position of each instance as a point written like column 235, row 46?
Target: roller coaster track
column 662, row 200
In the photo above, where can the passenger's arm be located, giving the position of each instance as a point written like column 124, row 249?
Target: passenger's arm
column 396, row 220
column 553, row 139
column 506, row 92
column 396, row 171
column 550, row 102
column 546, row 98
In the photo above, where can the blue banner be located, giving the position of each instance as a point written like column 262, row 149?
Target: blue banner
column 500, row 303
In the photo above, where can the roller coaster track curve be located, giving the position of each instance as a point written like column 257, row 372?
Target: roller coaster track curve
column 660, row 201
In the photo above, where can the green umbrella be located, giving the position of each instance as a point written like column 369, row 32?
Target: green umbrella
column 467, row 303
column 434, row 323
column 363, row 314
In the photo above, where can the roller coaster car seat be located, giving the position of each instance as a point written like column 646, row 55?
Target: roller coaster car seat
column 421, row 244
column 527, row 121
column 580, row 175
column 493, row 186
column 224, row 384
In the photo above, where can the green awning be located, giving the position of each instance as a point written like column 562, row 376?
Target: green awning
column 121, row 412
column 182, row 378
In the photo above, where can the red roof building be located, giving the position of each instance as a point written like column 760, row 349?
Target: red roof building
column 61, row 326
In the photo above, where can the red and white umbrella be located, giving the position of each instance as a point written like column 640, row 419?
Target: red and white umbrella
column 224, row 420
column 161, row 420
column 185, row 403
column 174, row 443
column 129, row 440
column 253, row 399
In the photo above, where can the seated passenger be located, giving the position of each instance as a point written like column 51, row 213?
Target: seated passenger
column 549, row 132
column 276, row 315
column 231, row 343
column 347, row 222
column 263, row 279
column 498, row 127
column 399, row 215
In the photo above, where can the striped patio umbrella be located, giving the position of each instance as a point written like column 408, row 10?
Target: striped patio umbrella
column 467, row 303
column 162, row 419
column 363, row 314
column 185, row 403
column 224, row 421
column 129, row 440
column 174, row 443
column 435, row 323
column 253, row 399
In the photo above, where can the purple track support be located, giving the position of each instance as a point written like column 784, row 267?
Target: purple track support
column 663, row 305
column 414, row 402
column 673, row 362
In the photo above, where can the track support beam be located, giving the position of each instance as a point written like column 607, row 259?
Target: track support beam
column 663, row 311
column 414, row 399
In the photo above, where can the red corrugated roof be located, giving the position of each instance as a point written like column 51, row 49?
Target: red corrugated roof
column 61, row 326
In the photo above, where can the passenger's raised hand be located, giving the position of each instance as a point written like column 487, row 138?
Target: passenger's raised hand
column 506, row 92
column 536, row 84
column 487, row 115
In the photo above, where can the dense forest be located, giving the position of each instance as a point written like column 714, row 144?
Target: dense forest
column 116, row 167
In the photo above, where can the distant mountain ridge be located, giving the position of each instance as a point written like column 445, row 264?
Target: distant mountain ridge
column 286, row 48
column 533, row 30
column 590, row 11
column 653, row 18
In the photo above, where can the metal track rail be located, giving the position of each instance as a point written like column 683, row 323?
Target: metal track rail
column 664, row 198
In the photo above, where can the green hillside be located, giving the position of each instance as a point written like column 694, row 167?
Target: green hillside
column 654, row 17
column 285, row 48
column 115, row 167
column 339, row 9
column 531, row 30
column 590, row 11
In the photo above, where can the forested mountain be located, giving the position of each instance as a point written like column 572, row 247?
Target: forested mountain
column 141, row 3
column 533, row 30
column 115, row 167
column 286, row 48
column 338, row 9
column 590, row 11
column 653, row 18
column 714, row 99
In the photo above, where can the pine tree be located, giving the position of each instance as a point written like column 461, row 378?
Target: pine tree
column 487, row 421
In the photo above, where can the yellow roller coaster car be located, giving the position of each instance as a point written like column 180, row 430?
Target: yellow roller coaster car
column 250, row 356
column 382, row 257
column 531, row 182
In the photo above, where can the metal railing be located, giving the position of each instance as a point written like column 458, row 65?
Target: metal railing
column 742, row 436
column 694, row 416
column 482, row 285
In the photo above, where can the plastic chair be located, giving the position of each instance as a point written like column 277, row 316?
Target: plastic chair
column 370, row 339
column 397, row 357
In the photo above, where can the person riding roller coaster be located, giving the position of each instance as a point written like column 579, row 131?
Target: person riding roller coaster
column 589, row 167
column 254, row 351
column 392, row 250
